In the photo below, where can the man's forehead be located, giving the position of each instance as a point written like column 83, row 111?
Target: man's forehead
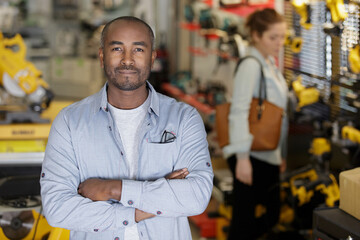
column 119, row 28
column 122, row 23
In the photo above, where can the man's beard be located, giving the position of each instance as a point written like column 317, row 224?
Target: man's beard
column 126, row 84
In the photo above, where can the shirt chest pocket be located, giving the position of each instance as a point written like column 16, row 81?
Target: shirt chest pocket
column 158, row 159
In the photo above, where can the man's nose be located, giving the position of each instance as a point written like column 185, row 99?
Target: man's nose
column 127, row 58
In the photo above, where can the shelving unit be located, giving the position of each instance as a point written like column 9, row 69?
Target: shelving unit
column 189, row 99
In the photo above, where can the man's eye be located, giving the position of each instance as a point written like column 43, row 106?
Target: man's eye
column 139, row 50
column 116, row 49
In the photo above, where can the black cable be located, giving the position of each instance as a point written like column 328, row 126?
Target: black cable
column 37, row 222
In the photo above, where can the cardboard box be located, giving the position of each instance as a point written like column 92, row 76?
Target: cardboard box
column 350, row 192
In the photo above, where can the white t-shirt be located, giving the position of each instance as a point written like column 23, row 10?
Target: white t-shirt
column 129, row 124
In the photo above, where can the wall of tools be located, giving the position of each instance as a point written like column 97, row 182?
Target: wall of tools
column 324, row 75
column 320, row 62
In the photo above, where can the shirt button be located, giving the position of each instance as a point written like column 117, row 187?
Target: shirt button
column 130, row 202
column 117, row 238
column 110, row 128
column 122, row 154
column 208, row 164
column 158, row 212
column 96, row 230
column 125, row 223
column 43, row 175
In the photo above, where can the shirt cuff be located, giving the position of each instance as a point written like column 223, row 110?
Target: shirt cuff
column 242, row 156
column 131, row 193
column 125, row 216
column 240, row 147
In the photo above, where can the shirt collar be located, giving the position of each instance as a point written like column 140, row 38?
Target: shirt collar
column 254, row 52
column 102, row 103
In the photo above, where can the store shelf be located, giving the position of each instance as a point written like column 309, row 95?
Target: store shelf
column 202, row 52
column 190, row 26
column 19, row 131
column 21, row 159
column 189, row 99
column 245, row 9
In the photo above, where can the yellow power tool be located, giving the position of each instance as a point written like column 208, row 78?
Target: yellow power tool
column 294, row 42
column 351, row 133
column 354, row 59
column 307, row 181
column 305, row 95
column 337, row 10
column 303, row 8
column 23, row 92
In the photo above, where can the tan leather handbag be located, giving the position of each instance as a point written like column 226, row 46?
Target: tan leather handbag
column 264, row 120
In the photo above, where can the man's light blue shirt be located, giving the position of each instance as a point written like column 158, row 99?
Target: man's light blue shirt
column 85, row 143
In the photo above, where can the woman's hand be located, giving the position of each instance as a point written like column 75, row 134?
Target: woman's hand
column 283, row 165
column 244, row 171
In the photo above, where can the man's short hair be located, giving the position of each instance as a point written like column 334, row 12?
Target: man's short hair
column 130, row 19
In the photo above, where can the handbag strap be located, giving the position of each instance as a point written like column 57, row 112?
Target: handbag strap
column 262, row 87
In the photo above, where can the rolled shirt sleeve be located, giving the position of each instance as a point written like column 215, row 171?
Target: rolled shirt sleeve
column 63, row 206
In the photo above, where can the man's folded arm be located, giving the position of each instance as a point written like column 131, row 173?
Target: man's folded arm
column 178, row 197
column 62, row 205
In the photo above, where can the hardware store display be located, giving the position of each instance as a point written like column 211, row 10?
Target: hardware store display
column 49, row 59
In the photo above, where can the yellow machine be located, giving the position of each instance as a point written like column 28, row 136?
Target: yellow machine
column 302, row 7
column 23, row 92
column 29, row 225
column 304, row 184
column 354, row 59
column 305, row 95
column 25, row 121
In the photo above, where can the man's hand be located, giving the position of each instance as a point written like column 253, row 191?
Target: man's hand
column 103, row 190
column 178, row 174
column 244, row 171
column 141, row 215
column 100, row 190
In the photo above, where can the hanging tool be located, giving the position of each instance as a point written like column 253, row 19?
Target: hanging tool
column 305, row 95
column 337, row 10
column 303, row 8
column 294, row 42
column 354, row 59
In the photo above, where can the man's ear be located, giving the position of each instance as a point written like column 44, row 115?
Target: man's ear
column 153, row 57
column 101, row 56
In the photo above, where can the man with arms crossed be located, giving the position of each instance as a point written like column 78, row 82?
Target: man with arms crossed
column 126, row 162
